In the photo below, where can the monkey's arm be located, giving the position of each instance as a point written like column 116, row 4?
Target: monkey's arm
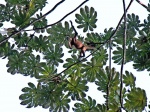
column 76, row 33
column 70, row 43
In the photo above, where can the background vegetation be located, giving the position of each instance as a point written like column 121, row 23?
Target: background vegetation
column 37, row 49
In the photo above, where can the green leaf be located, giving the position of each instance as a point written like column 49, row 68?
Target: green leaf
column 92, row 69
column 31, row 85
column 53, row 55
column 129, row 79
column 86, row 19
column 76, row 88
column 136, row 100
column 87, row 105
column 79, row 17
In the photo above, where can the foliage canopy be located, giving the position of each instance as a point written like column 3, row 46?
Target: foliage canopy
column 43, row 52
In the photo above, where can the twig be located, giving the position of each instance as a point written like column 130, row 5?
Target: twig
column 142, row 4
column 13, row 34
column 124, row 54
column 61, row 18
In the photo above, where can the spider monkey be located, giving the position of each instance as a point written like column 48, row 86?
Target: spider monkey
column 78, row 44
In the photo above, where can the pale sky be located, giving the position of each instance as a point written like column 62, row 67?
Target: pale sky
column 109, row 13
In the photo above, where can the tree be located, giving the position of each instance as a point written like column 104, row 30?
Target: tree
column 129, row 42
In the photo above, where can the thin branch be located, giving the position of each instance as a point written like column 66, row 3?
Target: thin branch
column 109, row 76
column 100, row 45
column 142, row 4
column 110, row 48
column 15, row 33
column 124, row 55
column 61, row 18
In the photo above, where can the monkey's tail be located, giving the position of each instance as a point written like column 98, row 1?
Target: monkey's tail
column 90, row 48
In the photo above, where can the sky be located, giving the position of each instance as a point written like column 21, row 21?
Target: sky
column 109, row 13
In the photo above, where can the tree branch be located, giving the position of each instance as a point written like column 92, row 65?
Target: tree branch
column 143, row 5
column 109, row 76
column 17, row 32
column 124, row 54
column 61, row 18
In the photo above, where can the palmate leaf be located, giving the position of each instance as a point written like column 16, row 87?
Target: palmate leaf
column 39, row 43
column 130, row 54
column 129, row 79
column 47, row 95
column 18, row 18
column 48, row 70
column 76, row 87
column 133, row 21
column 21, row 40
column 5, row 48
column 73, row 68
column 86, row 19
column 15, row 2
column 53, row 55
column 141, row 63
column 91, row 69
column 87, row 105
column 5, row 13
column 101, row 56
column 136, row 100
column 29, row 97
column 39, row 24
column 146, row 24
column 40, row 4
column 117, row 55
column 15, row 62
column 101, row 108
column 94, row 37
column 62, row 104
column 26, row 9
column 102, row 81
column 58, row 33
column 32, row 66
column 104, row 77
column 47, row 74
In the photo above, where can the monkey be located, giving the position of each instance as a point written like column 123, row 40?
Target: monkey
column 78, row 44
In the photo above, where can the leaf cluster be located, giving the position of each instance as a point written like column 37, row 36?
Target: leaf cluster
column 62, row 76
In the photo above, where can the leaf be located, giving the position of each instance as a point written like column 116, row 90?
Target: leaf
column 91, row 69
column 136, row 100
column 87, row 105
column 53, row 55
column 86, row 19
column 79, row 17
column 129, row 79
column 31, row 85
column 76, row 88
